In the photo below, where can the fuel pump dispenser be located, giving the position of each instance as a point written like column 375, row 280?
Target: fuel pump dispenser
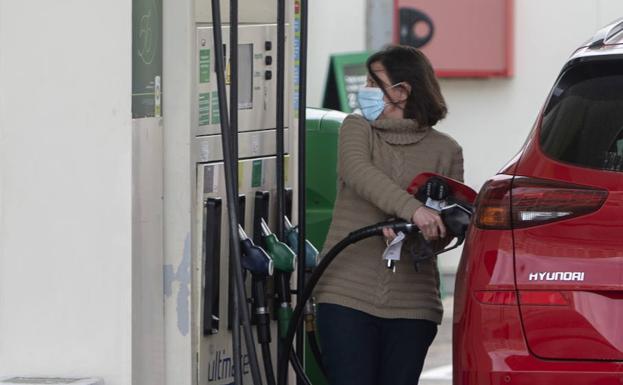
column 237, row 67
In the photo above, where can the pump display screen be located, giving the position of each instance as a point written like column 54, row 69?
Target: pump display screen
column 245, row 76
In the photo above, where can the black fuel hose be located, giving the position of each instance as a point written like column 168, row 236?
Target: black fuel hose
column 282, row 279
column 268, row 363
column 233, row 124
column 231, row 193
column 310, row 329
column 263, row 325
column 302, row 176
column 298, row 369
column 315, row 349
column 297, row 316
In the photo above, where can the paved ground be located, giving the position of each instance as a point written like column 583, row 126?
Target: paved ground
column 438, row 365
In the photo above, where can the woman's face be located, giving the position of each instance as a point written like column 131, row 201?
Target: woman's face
column 398, row 95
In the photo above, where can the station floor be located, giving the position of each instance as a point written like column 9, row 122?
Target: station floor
column 438, row 365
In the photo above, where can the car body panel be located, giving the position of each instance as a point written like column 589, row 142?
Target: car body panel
column 500, row 334
column 587, row 327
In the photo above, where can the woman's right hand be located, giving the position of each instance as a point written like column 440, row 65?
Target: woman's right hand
column 429, row 222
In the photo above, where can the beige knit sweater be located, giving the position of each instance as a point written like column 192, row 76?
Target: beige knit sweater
column 376, row 163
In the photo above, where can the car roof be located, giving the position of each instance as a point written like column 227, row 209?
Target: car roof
column 605, row 42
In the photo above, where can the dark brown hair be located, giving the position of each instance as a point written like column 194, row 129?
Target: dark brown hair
column 406, row 64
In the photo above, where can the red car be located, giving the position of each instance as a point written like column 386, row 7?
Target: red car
column 539, row 289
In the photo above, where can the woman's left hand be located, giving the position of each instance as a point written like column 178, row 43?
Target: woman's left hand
column 389, row 234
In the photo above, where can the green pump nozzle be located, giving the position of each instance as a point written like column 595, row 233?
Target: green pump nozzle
column 292, row 238
column 284, row 258
column 285, row 263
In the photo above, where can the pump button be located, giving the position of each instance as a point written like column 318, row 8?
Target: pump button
column 268, row 60
column 268, row 75
column 268, row 45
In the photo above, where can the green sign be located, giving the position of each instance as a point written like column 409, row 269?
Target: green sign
column 204, row 66
column 216, row 117
column 204, row 109
column 256, row 173
column 347, row 73
column 146, row 58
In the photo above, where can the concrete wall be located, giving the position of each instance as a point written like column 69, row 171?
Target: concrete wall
column 65, row 189
column 178, row 179
column 148, row 366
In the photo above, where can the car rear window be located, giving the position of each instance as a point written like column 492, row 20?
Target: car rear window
column 583, row 121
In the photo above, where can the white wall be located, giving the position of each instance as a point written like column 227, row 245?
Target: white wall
column 178, row 178
column 65, row 188
column 148, row 366
column 334, row 27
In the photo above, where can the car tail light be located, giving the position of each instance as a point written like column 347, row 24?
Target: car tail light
column 537, row 201
column 506, row 203
column 493, row 204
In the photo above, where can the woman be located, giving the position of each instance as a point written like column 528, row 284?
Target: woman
column 376, row 325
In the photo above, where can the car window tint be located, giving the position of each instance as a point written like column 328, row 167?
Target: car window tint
column 583, row 121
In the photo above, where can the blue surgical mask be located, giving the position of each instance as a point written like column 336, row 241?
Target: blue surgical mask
column 371, row 102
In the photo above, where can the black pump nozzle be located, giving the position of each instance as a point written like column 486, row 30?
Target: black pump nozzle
column 254, row 258
column 260, row 264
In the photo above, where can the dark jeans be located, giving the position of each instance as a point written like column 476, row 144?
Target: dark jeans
column 360, row 349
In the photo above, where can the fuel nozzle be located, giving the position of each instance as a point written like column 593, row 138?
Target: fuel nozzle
column 310, row 315
column 285, row 263
column 254, row 258
column 260, row 264
column 437, row 189
column 292, row 238
column 283, row 257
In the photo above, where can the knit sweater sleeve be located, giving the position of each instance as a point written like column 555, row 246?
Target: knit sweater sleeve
column 356, row 169
column 456, row 167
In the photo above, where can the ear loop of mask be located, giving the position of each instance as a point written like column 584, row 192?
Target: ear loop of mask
column 395, row 104
column 378, row 81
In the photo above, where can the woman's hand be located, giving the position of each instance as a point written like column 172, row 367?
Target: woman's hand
column 429, row 222
column 389, row 234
